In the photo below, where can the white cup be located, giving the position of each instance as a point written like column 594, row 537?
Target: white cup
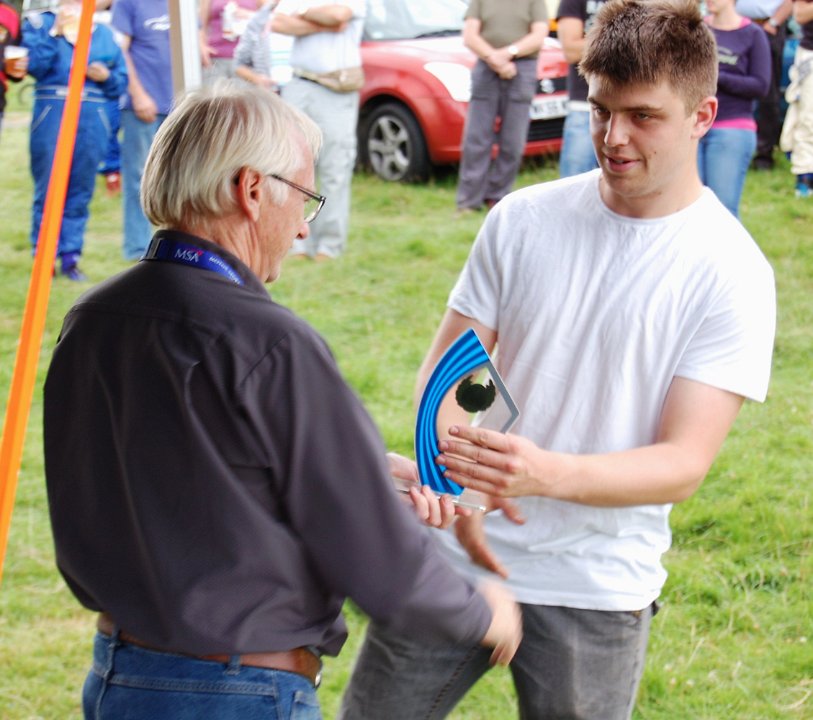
column 13, row 54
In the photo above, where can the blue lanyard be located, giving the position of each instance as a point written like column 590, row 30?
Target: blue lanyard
column 186, row 254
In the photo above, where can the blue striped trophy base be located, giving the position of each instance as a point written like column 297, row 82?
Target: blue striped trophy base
column 466, row 373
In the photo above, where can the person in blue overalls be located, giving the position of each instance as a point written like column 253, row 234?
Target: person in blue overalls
column 50, row 38
column 110, row 167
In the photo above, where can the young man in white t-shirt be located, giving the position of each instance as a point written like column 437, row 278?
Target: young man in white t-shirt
column 633, row 315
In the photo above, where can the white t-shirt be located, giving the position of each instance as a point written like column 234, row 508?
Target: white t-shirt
column 327, row 51
column 596, row 314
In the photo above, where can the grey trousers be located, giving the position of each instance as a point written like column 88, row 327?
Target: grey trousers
column 572, row 665
column 336, row 115
column 481, row 179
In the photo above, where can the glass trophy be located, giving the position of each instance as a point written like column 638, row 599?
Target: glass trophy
column 465, row 377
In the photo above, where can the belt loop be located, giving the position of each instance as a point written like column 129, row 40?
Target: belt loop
column 107, row 668
column 318, row 654
column 233, row 668
column 112, row 644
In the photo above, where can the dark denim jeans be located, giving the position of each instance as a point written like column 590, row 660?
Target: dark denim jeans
column 573, row 664
column 130, row 683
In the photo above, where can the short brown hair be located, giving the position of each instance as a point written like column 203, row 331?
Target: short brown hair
column 647, row 41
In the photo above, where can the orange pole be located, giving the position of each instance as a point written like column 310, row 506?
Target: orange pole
column 39, row 289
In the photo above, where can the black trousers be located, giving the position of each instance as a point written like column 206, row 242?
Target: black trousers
column 769, row 120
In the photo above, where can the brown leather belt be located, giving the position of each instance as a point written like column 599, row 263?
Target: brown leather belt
column 299, row 660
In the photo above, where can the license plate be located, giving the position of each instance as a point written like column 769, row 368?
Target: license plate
column 545, row 108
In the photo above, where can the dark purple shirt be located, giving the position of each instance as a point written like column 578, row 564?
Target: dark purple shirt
column 744, row 70
column 213, row 482
column 807, row 32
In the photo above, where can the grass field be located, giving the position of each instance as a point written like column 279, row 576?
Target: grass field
column 734, row 638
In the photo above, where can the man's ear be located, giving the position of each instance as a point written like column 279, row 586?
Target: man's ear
column 704, row 116
column 249, row 192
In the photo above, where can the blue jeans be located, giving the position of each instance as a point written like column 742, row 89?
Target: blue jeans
column 723, row 157
column 135, row 144
column 130, row 683
column 574, row 664
column 577, row 154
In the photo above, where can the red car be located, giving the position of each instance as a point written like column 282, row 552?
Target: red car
column 418, row 84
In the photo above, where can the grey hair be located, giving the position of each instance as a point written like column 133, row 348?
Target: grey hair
column 210, row 135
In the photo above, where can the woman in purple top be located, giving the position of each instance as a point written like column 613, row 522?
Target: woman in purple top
column 221, row 24
column 745, row 75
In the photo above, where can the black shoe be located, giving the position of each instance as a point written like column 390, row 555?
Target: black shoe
column 763, row 163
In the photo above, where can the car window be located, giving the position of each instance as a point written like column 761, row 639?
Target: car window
column 400, row 20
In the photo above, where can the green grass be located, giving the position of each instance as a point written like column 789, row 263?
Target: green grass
column 734, row 637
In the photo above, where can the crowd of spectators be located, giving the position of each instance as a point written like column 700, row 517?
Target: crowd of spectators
column 235, row 40
column 280, row 495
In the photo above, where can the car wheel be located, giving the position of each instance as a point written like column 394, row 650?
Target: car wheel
column 393, row 145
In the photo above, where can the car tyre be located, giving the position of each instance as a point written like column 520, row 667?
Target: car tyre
column 393, row 145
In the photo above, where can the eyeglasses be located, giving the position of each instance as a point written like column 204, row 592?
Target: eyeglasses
column 314, row 202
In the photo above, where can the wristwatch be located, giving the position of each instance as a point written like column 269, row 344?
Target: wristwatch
column 773, row 23
column 513, row 51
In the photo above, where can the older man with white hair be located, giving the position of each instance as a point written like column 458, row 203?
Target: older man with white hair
column 216, row 489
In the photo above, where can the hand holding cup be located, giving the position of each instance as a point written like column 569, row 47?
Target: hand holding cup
column 16, row 61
